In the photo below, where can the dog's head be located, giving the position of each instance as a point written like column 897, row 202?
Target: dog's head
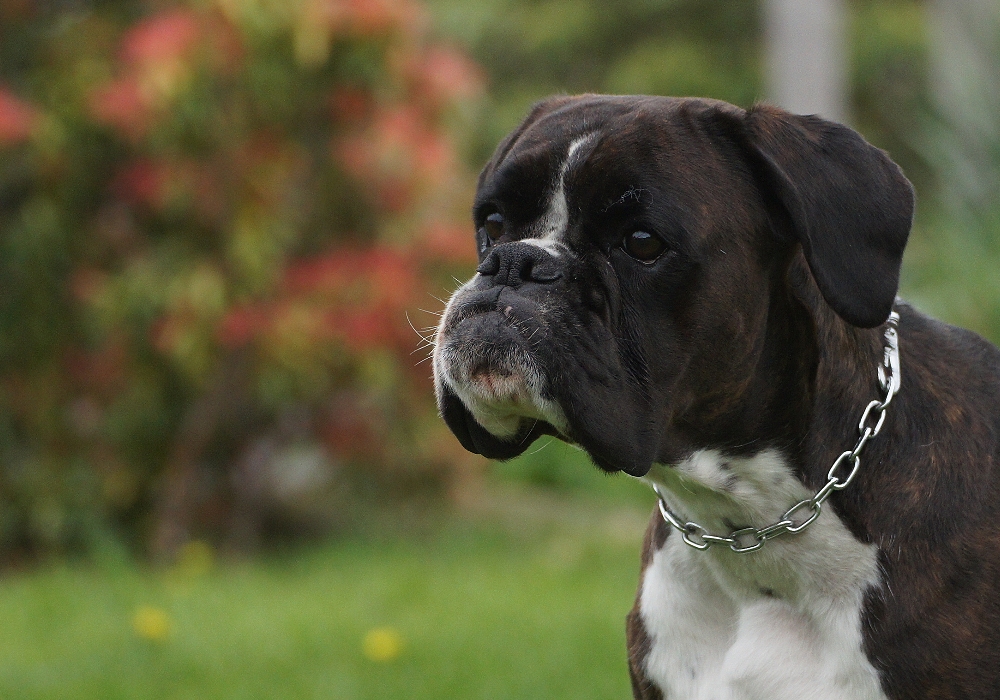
column 634, row 252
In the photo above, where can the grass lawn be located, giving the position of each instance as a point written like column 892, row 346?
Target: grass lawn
column 519, row 606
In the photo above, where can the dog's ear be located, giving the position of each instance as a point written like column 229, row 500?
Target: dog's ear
column 847, row 204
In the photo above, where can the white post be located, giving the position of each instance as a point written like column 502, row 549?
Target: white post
column 807, row 56
column 965, row 85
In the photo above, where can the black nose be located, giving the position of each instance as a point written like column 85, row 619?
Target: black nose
column 514, row 264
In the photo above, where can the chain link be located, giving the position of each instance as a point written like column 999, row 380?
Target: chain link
column 802, row 514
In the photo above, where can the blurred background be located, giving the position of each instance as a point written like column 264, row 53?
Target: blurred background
column 226, row 230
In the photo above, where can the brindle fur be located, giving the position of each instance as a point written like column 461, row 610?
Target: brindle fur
column 763, row 331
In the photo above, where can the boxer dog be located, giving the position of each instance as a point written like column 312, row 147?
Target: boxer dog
column 705, row 297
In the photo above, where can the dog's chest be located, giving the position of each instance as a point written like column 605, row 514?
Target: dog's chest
column 781, row 622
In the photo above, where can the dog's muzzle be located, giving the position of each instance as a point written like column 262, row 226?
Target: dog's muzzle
column 490, row 375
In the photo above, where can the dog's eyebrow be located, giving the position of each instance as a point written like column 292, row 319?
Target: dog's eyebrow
column 521, row 181
column 634, row 198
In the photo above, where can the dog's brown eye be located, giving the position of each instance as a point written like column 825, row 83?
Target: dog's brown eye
column 494, row 226
column 643, row 246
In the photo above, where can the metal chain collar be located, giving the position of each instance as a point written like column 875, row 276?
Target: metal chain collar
column 802, row 514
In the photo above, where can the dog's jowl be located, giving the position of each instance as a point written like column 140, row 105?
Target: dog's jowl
column 704, row 297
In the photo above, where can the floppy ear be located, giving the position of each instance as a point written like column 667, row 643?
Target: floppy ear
column 848, row 204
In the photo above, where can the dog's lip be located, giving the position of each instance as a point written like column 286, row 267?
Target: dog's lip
column 516, row 327
column 497, row 383
column 515, row 307
column 467, row 311
column 475, row 310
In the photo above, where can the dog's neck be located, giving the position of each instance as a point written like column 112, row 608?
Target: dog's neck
column 807, row 352
column 767, row 400
column 844, row 381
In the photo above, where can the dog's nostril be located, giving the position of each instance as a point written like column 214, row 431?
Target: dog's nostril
column 513, row 264
column 539, row 267
column 524, row 267
column 489, row 266
column 540, row 275
column 532, row 268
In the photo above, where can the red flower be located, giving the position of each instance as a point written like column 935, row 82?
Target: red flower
column 163, row 38
column 156, row 53
column 143, row 182
column 374, row 17
column 389, row 274
column 363, row 330
column 122, row 104
column 433, row 156
column 397, row 156
column 243, row 324
column 443, row 75
column 351, row 104
column 17, row 118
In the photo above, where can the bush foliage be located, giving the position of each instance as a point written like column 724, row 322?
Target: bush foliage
column 209, row 215
column 215, row 215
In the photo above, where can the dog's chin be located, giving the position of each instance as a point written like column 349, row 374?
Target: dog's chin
column 511, row 435
column 516, row 435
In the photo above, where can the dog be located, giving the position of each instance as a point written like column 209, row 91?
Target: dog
column 705, row 297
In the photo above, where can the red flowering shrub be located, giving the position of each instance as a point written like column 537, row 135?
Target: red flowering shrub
column 213, row 222
column 17, row 119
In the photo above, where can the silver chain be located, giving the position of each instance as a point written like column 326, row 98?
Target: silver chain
column 802, row 514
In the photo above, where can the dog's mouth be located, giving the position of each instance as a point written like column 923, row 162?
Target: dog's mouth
column 509, row 368
column 499, row 385
column 493, row 389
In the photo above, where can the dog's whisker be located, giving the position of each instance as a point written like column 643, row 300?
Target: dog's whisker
column 533, row 424
column 542, row 447
column 423, row 337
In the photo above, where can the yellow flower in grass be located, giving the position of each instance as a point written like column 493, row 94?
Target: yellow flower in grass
column 151, row 623
column 382, row 644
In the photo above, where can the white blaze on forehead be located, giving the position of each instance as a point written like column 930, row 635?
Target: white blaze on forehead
column 552, row 225
column 550, row 245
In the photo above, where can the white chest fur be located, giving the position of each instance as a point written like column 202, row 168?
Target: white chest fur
column 780, row 623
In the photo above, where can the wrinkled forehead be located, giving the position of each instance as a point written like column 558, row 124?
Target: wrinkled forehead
column 545, row 145
column 598, row 150
column 609, row 161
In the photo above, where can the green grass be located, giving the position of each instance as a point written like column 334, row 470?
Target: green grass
column 531, row 609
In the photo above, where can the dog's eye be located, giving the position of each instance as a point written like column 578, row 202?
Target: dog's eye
column 493, row 226
column 643, row 246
